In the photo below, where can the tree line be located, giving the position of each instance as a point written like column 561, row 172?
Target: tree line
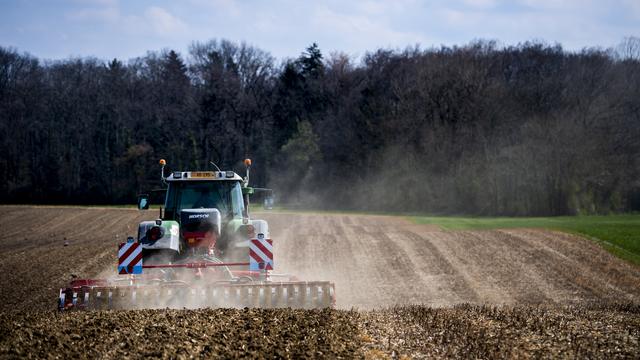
column 480, row 129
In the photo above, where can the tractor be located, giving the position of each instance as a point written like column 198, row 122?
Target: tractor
column 203, row 250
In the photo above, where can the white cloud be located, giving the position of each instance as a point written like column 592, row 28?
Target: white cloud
column 105, row 13
column 480, row 3
column 572, row 23
column 385, row 8
column 153, row 21
column 552, row 4
column 362, row 31
column 373, row 7
column 634, row 8
column 228, row 7
column 285, row 27
column 97, row 2
column 163, row 22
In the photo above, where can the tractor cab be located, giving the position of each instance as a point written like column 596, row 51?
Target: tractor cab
column 204, row 212
column 205, row 190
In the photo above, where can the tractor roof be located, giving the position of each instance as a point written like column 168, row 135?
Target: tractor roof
column 203, row 176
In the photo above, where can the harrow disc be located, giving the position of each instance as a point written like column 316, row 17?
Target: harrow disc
column 297, row 294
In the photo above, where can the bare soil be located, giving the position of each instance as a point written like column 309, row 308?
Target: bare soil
column 379, row 261
column 418, row 291
column 35, row 262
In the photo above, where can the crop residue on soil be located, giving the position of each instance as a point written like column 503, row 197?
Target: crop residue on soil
column 224, row 333
column 465, row 331
column 415, row 331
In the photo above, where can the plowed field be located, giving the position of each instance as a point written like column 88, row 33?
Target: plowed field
column 495, row 293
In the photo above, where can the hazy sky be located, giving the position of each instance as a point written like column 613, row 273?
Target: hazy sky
column 128, row 28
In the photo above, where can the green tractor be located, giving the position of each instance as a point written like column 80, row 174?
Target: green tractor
column 206, row 214
column 203, row 251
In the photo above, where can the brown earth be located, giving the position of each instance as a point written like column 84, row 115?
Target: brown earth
column 379, row 261
column 35, row 263
column 461, row 332
column 536, row 292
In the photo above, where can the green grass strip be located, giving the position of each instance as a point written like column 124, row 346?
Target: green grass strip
column 619, row 234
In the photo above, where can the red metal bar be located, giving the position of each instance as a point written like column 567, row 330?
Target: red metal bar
column 194, row 265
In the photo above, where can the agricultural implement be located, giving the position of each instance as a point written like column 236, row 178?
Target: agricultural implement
column 203, row 251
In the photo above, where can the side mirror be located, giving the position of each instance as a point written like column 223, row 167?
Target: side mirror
column 268, row 202
column 143, row 202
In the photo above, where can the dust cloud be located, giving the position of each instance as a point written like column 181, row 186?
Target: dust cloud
column 381, row 261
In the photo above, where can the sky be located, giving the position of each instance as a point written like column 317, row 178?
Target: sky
column 124, row 29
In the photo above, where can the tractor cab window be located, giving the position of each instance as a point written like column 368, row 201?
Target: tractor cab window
column 226, row 196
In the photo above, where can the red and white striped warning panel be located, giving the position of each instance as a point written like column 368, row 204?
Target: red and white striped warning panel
column 260, row 254
column 130, row 258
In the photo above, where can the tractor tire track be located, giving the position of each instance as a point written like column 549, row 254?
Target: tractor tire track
column 450, row 286
column 380, row 261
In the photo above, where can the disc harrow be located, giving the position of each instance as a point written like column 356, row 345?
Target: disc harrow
column 289, row 294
